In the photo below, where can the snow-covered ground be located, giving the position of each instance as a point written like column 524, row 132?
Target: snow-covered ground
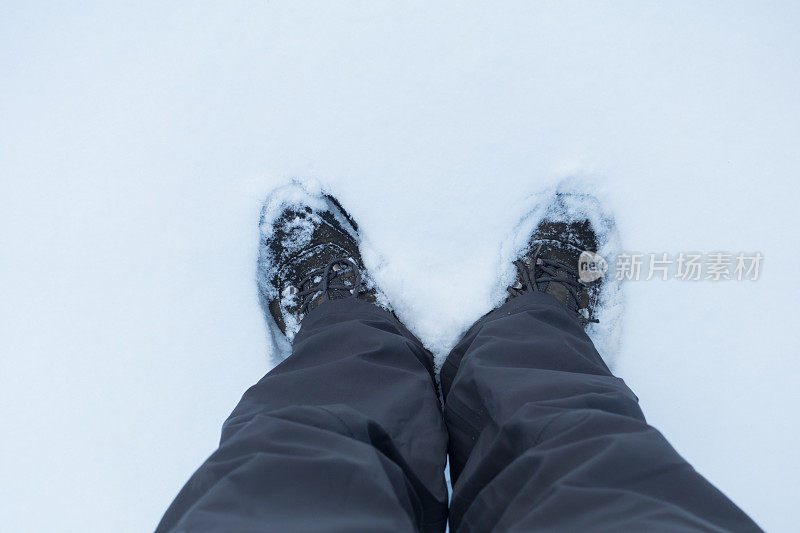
column 138, row 140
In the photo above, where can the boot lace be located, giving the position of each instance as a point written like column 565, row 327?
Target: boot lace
column 545, row 270
column 328, row 280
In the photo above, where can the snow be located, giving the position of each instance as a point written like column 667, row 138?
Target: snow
column 139, row 141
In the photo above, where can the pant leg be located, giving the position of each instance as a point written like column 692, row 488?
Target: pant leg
column 345, row 435
column 544, row 438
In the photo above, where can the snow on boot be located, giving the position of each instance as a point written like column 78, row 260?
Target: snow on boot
column 560, row 258
column 308, row 253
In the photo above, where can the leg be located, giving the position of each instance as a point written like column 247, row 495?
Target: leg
column 544, row 437
column 345, row 435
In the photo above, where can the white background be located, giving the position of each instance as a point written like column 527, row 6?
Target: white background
column 137, row 141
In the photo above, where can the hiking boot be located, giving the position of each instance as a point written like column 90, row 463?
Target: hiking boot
column 550, row 263
column 309, row 254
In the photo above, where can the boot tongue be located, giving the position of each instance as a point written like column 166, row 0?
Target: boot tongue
column 564, row 254
column 312, row 258
column 339, row 275
column 560, row 293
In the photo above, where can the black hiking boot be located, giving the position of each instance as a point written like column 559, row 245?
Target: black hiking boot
column 553, row 262
column 309, row 253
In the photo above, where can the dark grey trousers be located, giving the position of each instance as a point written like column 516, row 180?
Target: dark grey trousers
column 347, row 435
